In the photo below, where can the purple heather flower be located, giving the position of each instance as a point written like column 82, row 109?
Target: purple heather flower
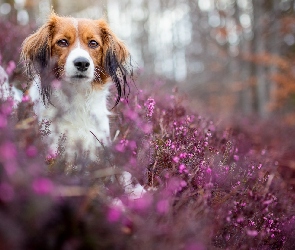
column 182, row 169
column 10, row 67
column 42, row 185
column 25, row 98
column 6, row 108
column 7, row 151
column 163, row 206
column 142, row 203
column 31, row 151
column 114, row 214
column 3, row 121
column 252, row 233
column 150, row 105
column 176, row 159
column 183, row 184
column 51, row 155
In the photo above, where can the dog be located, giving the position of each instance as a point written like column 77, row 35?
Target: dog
column 84, row 57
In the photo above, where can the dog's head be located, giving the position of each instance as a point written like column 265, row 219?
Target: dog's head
column 78, row 51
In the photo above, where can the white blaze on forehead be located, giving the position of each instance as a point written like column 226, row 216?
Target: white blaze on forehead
column 76, row 25
column 71, row 71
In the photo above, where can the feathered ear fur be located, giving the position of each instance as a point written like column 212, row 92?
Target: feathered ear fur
column 115, row 60
column 36, row 51
column 35, row 54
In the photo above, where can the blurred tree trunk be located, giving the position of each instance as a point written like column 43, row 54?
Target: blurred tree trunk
column 273, row 42
column 143, row 38
column 196, row 49
column 244, row 69
column 259, row 90
column 246, row 101
column 236, row 65
column 32, row 8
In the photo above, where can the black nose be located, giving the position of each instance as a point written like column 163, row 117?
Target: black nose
column 81, row 63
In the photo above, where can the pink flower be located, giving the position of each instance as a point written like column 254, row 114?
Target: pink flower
column 10, row 167
column 6, row 107
column 42, row 186
column 163, row 206
column 31, row 151
column 10, row 67
column 132, row 145
column 252, row 233
column 132, row 115
column 176, row 159
column 182, row 169
column 114, row 214
column 8, row 151
column 267, row 202
column 183, row 184
column 122, row 145
column 142, row 203
column 183, row 155
column 25, row 98
column 51, row 155
column 147, row 128
column 3, row 121
column 150, row 105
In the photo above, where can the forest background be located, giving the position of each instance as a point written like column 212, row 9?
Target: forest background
column 228, row 56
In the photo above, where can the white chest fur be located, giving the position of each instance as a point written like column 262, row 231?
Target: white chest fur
column 79, row 114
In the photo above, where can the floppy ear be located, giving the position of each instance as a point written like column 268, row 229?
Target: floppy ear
column 115, row 60
column 36, row 51
column 35, row 54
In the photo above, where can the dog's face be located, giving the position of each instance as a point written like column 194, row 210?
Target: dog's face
column 78, row 51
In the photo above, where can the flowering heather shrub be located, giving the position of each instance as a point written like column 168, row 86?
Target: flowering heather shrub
column 214, row 188
column 207, row 187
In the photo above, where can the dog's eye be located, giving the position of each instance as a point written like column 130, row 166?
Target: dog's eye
column 63, row 43
column 93, row 44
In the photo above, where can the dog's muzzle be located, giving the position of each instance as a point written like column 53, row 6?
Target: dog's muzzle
column 81, row 63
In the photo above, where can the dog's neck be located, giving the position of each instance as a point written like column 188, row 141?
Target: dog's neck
column 80, row 113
